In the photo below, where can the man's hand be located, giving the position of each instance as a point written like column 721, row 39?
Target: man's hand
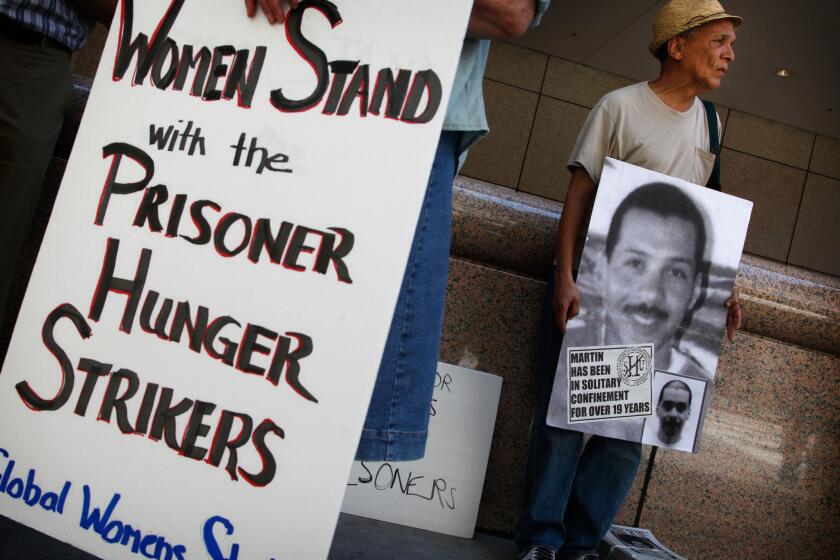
column 734, row 315
column 274, row 10
column 500, row 19
column 565, row 301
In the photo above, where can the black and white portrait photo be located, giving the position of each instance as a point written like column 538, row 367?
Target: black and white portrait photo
column 658, row 265
column 679, row 400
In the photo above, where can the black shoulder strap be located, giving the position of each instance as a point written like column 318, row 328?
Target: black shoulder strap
column 714, row 143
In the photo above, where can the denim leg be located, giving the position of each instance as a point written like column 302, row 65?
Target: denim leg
column 553, row 452
column 398, row 415
column 572, row 496
column 606, row 472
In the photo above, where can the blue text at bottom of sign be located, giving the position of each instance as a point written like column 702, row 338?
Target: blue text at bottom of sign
column 217, row 531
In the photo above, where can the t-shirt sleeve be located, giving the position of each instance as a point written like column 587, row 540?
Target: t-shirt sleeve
column 542, row 6
column 593, row 143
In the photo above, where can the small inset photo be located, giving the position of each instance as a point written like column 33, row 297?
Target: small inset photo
column 677, row 401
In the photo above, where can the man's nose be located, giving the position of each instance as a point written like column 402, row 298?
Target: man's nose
column 652, row 287
column 729, row 53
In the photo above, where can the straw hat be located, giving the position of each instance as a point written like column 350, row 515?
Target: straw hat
column 678, row 16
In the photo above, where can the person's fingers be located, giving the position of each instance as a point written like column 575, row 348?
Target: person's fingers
column 277, row 6
column 268, row 10
column 251, row 7
column 560, row 316
column 734, row 318
column 564, row 311
column 574, row 309
column 294, row 3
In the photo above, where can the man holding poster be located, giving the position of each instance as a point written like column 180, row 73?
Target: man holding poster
column 575, row 491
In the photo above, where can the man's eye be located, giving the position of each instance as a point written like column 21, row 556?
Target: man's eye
column 635, row 264
column 679, row 273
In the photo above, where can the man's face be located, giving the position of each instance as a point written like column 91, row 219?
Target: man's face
column 651, row 278
column 673, row 412
column 707, row 52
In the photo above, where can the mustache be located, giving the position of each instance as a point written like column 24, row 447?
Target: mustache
column 644, row 309
column 671, row 422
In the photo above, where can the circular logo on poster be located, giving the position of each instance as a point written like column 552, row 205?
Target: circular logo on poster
column 634, row 365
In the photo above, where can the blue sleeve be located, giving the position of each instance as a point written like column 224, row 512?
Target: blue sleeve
column 542, row 6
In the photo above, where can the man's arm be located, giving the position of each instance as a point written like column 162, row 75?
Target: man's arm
column 566, row 298
column 501, row 19
column 102, row 10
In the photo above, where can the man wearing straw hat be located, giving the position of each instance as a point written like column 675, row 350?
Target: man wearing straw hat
column 574, row 491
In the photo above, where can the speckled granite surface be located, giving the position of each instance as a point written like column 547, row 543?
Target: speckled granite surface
column 791, row 304
column 765, row 484
column 491, row 325
column 504, row 228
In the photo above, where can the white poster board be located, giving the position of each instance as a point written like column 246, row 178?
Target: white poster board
column 659, row 262
column 440, row 492
column 195, row 354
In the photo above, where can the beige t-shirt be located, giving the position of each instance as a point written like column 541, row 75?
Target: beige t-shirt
column 632, row 124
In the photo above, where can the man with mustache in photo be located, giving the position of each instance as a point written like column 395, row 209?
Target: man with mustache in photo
column 575, row 487
column 652, row 280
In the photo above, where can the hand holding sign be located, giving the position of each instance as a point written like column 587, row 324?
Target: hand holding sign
column 274, row 10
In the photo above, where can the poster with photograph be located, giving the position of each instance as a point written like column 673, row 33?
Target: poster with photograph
column 677, row 402
column 658, row 265
column 195, row 354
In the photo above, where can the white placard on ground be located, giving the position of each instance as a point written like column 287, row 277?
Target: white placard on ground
column 194, row 358
column 442, row 491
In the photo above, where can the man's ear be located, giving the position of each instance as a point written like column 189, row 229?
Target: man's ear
column 599, row 280
column 675, row 47
column 696, row 290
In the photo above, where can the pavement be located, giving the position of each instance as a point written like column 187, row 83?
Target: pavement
column 356, row 538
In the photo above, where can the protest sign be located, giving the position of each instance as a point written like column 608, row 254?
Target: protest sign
column 196, row 350
column 442, row 491
column 658, row 265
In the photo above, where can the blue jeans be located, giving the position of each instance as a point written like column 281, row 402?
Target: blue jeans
column 398, row 415
column 573, row 491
